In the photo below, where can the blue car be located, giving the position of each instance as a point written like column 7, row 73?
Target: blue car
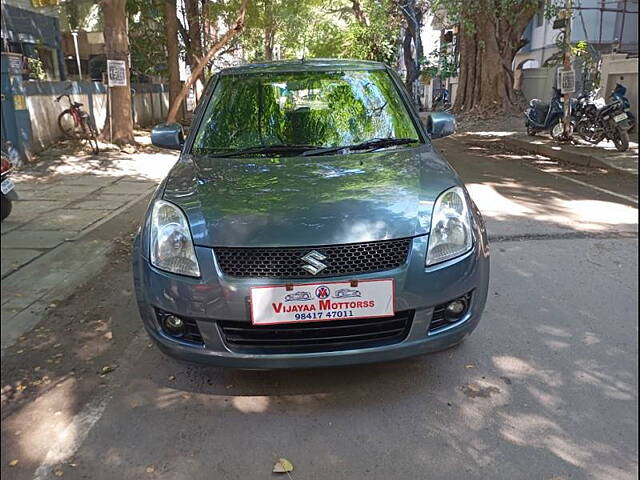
column 313, row 175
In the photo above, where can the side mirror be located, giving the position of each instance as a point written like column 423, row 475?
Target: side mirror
column 168, row 135
column 441, row 124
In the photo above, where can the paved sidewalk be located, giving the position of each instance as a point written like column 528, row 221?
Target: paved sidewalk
column 65, row 195
column 72, row 209
column 602, row 155
column 511, row 131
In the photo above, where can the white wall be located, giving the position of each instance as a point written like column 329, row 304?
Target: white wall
column 150, row 108
column 617, row 68
column 537, row 83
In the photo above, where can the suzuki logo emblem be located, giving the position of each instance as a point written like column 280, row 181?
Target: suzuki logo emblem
column 313, row 260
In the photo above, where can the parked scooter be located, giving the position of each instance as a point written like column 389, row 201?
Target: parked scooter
column 7, row 187
column 619, row 94
column 541, row 116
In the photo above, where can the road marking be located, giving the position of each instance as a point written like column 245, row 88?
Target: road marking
column 585, row 184
column 72, row 437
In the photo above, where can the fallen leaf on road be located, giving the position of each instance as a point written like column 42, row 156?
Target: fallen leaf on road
column 107, row 369
column 108, row 335
column 21, row 387
column 473, row 391
column 58, row 473
column 57, row 345
column 151, row 469
column 172, row 377
column 470, row 366
column 13, row 463
column 282, row 465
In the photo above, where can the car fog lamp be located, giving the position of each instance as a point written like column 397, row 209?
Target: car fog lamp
column 173, row 324
column 455, row 309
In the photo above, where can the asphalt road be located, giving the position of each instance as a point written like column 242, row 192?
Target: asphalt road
column 545, row 388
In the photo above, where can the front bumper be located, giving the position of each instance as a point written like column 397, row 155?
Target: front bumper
column 216, row 297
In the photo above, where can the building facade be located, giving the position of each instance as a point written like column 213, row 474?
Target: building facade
column 608, row 26
column 34, row 33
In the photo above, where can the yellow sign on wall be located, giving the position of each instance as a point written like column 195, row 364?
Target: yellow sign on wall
column 19, row 102
column 44, row 3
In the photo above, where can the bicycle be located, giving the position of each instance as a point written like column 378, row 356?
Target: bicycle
column 76, row 123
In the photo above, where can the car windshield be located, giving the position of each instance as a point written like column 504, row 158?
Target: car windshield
column 289, row 113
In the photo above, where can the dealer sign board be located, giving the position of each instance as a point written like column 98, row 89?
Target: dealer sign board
column 317, row 302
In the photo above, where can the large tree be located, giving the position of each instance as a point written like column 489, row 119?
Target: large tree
column 117, row 48
column 490, row 35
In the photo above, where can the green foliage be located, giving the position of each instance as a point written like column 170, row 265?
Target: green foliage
column 375, row 41
column 323, row 28
column 147, row 38
column 440, row 63
column 467, row 12
column 35, row 68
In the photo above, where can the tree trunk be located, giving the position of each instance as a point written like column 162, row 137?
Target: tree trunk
column 268, row 43
column 117, row 48
column 172, row 53
column 194, row 55
column 269, row 30
column 485, row 83
column 413, row 17
column 358, row 13
column 231, row 33
column 409, row 60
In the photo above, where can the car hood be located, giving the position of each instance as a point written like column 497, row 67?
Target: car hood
column 306, row 201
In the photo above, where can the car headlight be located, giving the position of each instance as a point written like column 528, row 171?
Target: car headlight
column 171, row 244
column 450, row 227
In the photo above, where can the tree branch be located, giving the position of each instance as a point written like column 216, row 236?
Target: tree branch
column 197, row 71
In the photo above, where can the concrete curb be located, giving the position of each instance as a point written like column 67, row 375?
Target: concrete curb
column 556, row 153
column 567, row 153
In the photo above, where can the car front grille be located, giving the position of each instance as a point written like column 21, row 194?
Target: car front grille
column 340, row 260
column 243, row 337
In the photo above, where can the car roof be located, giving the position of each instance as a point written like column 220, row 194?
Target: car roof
column 303, row 65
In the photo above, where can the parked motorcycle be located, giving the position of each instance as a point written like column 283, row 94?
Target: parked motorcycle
column 541, row 116
column 7, row 187
column 609, row 122
column 619, row 94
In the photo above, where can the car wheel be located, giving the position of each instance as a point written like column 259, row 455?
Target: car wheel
column 6, row 207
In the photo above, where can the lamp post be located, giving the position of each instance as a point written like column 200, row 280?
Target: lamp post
column 75, row 44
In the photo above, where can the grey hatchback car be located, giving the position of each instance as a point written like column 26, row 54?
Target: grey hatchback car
column 309, row 221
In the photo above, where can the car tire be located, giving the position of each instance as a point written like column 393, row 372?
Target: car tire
column 6, row 205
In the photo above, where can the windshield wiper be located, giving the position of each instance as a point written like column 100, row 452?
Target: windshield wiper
column 372, row 144
column 275, row 148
